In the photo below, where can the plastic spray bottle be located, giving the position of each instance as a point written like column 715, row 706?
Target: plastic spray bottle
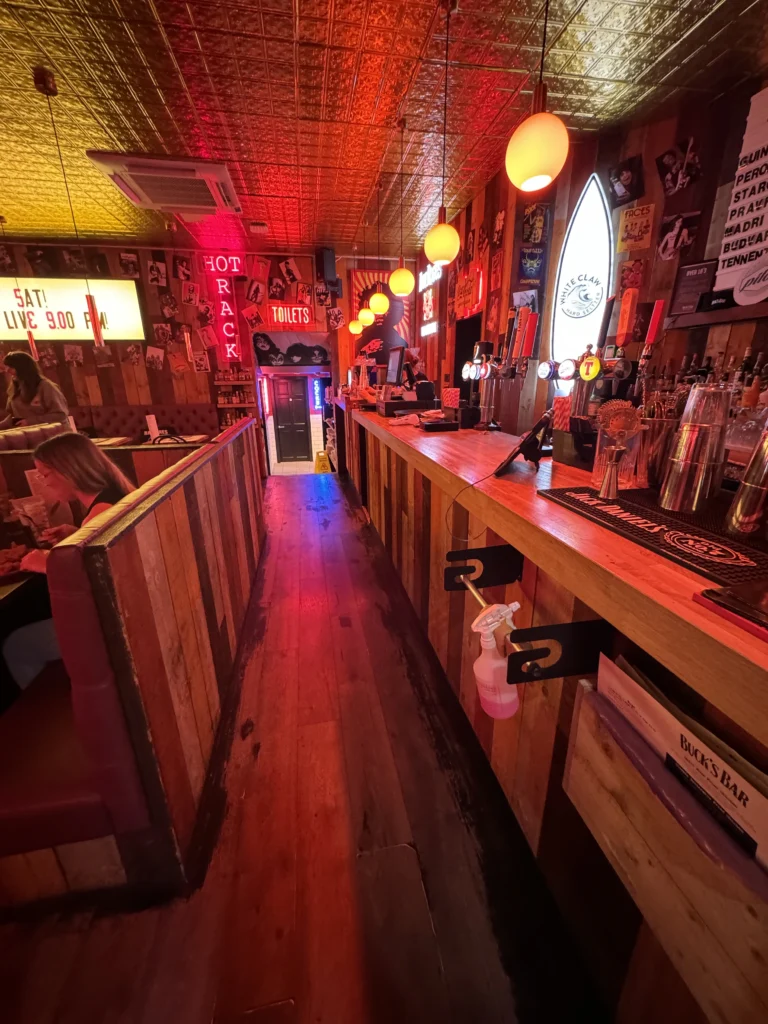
column 497, row 697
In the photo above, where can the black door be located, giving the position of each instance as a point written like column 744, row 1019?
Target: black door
column 467, row 336
column 292, row 419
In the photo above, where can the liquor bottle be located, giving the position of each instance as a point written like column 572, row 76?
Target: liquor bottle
column 705, row 369
column 693, row 369
column 683, row 369
column 745, row 367
column 730, row 370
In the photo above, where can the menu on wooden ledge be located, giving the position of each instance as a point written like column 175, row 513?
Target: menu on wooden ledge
column 734, row 791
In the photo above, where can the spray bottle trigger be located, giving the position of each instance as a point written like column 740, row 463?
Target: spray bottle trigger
column 490, row 617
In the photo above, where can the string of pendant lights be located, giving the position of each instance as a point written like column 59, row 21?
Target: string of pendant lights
column 538, row 149
column 401, row 281
column 365, row 315
column 355, row 326
column 379, row 301
column 442, row 244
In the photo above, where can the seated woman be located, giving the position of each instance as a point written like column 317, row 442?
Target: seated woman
column 72, row 468
column 32, row 398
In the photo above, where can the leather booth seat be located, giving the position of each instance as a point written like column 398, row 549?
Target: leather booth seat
column 47, row 792
column 26, row 438
column 129, row 420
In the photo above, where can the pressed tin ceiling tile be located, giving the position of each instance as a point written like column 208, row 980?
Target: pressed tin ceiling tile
column 301, row 97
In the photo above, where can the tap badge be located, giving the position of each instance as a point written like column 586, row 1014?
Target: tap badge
column 581, row 296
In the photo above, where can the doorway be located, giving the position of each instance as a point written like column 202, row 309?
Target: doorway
column 467, row 336
column 292, row 432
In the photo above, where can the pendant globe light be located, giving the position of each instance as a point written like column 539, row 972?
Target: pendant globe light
column 401, row 281
column 538, row 149
column 355, row 327
column 442, row 244
column 365, row 315
column 379, row 302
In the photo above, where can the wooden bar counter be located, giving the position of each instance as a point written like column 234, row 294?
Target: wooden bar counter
column 667, row 933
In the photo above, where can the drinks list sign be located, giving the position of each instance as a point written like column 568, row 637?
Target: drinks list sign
column 745, row 238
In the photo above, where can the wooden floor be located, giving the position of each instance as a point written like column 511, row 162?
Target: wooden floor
column 368, row 869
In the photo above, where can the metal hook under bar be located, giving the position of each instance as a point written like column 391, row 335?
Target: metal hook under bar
column 484, row 604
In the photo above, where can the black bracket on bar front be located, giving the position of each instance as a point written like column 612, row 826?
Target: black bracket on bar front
column 573, row 647
column 500, row 564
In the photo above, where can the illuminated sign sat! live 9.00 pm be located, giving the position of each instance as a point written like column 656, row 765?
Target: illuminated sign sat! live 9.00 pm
column 53, row 309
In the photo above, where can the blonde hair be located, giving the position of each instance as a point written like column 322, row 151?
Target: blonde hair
column 84, row 464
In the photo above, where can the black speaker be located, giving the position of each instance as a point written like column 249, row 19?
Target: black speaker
column 325, row 265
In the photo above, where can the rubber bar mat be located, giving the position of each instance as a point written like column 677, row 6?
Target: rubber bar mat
column 693, row 541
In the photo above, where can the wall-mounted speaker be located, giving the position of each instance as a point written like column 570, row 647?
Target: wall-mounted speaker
column 325, row 264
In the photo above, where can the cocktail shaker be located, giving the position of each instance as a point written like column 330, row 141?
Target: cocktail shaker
column 695, row 469
column 747, row 512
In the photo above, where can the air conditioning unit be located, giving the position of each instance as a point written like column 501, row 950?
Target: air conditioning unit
column 192, row 188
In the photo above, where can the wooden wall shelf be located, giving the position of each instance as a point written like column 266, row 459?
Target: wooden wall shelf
column 719, row 316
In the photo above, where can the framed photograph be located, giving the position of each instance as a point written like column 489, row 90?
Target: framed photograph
column 155, row 358
column 207, row 336
column 129, row 264
column 7, row 260
column 190, row 293
column 103, row 357
column 322, row 295
column 498, row 227
column 205, row 312
column 73, row 355
column 277, row 288
column 496, row 267
column 98, row 264
column 469, row 251
column 636, row 228
column 253, row 317
column 290, row 271
column 182, row 268
column 131, row 354
column 535, row 226
column 255, row 291
column 482, row 241
column 260, row 268
column 202, row 363
column 335, row 318
column 74, row 262
column 163, row 334
column 304, row 294
column 677, row 232
column 679, row 166
column 631, row 275
column 47, row 357
column 44, row 261
column 157, row 272
column 626, row 181
column 168, row 304
column 528, row 298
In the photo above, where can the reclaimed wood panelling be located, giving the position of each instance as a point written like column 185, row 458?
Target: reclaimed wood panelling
column 176, row 576
column 712, row 925
column 528, row 752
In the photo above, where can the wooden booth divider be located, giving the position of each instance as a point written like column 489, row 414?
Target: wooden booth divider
column 149, row 602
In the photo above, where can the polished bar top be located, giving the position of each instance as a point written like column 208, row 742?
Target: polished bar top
column 645, row 596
